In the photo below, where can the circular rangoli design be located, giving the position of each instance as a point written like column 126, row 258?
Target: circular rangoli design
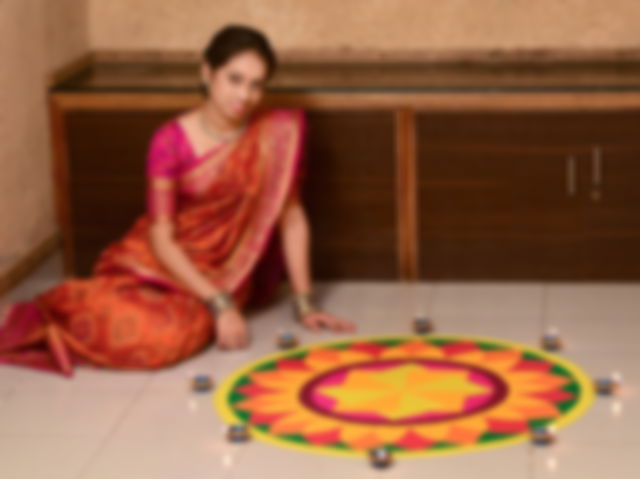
column 413, row 395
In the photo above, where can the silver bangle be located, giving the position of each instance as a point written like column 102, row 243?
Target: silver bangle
column 303, row 305
column 219, row 303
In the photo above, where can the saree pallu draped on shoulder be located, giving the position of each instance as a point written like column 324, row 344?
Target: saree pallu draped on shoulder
column 132, row 313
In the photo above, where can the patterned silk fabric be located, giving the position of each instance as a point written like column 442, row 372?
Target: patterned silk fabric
column 132, row 312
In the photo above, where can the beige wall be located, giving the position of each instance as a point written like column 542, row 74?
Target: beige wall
column 370, row 24
column 37, row 36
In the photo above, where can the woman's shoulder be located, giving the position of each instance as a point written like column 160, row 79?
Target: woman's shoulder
column 166, row 131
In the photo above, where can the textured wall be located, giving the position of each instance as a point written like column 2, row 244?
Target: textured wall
column 36, row 36
column 370, row 24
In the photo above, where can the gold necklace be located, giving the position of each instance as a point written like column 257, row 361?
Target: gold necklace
column 217, row 136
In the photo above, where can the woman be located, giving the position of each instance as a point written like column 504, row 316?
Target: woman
column 223, row 221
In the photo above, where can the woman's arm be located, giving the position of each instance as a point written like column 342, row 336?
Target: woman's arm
column 171, row 254
column 231, row 328
column 296, row 238
column 295, row 234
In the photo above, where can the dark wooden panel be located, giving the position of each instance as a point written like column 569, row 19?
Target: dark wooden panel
column 107, row 155
column 611, row 222
column 350, row 194
column 515, row 129
column 495, row 207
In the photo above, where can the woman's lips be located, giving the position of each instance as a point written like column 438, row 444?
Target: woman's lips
column 239, row 109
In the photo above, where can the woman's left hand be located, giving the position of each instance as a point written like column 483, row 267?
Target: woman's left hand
column 317, row 320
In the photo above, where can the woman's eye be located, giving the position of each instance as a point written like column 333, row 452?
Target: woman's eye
column 235, row 79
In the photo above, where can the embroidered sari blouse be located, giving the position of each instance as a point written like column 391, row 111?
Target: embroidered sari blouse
column 169, row 156
column 165, row 158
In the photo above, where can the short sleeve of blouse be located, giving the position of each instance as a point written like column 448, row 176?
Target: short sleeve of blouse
column 162, row 157
column 161, row 171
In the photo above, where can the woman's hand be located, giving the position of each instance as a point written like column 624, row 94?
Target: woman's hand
column 232, row 331
column 317, row 320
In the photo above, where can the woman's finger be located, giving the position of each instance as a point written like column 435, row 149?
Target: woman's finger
column 349, row 326
column 331, row 322
column 313, row 323
column 337, row 324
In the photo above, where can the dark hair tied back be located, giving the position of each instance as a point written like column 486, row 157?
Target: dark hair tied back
column 233, row 39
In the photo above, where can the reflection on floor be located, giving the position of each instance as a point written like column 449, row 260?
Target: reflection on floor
column 106, row 424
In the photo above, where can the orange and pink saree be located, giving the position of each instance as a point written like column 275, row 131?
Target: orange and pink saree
column 132, row 313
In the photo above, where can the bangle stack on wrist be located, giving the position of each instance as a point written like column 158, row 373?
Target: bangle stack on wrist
column 219, row 303
column 302, row 305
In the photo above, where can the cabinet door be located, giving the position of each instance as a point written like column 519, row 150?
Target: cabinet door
column 612, row 212
column 498, row 197
column 350, row 194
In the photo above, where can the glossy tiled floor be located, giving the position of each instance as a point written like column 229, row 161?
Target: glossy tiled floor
column 138, row 425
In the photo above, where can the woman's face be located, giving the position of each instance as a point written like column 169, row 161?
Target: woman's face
column 237, row 86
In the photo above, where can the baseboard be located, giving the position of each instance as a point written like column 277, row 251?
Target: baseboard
column 30, row 262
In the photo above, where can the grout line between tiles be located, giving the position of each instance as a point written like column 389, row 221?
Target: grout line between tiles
column 117, row 422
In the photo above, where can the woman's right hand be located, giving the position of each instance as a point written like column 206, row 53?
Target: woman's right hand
column 232, row 331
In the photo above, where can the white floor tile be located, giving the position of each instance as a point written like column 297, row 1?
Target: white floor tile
column 612, row 421
column 165, row 415
column 264, row 460
column 487, row 297
column 84, row 379
column 500, row 310
column 596, row 317
column 62, row 413
column 586, row 462
column 166, row 458
column 43, row 455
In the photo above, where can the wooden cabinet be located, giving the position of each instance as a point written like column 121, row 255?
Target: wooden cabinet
column 611, row 211
column 550, row 194
column 459, row 170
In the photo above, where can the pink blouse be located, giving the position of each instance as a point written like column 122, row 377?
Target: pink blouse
column 169, row 156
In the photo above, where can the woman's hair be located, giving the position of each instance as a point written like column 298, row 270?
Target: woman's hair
column 234, row 39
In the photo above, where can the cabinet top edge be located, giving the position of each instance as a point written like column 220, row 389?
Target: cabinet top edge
column 615, row 71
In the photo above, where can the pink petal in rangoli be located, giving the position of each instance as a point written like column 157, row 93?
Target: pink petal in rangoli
column 295, row 364
column 414, row 441
column 265, row 418
column 372, row 349
column 502, row 426
column 324, row 438
column 525, row 365
column 553, row 396
column 459, row 348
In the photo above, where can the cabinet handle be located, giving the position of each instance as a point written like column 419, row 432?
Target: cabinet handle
column 571, row 176
column 596, row 161
column 596, row 173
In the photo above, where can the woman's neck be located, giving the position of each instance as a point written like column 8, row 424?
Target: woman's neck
column 218, row 121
